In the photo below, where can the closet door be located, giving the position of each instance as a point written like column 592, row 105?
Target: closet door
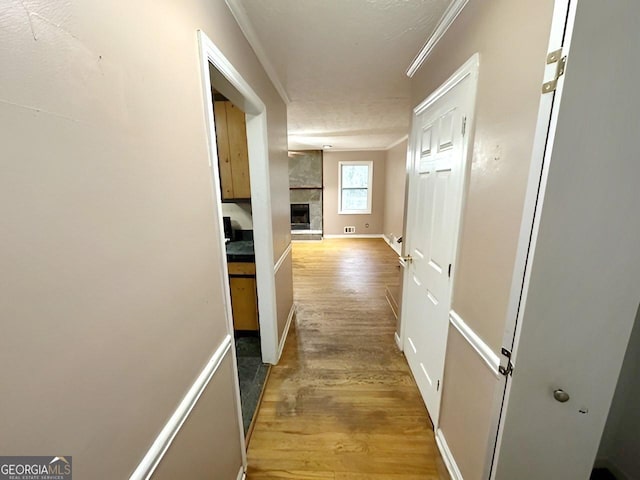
column 580, row 292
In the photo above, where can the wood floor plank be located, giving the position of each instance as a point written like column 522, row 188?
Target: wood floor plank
column 342, row 404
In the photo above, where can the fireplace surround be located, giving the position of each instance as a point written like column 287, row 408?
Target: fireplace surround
column 305, row 193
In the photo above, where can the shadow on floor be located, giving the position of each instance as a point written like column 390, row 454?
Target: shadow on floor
column 601, row 474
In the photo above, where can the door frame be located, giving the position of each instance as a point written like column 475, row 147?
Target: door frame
column 230, row 83
column 470, row 69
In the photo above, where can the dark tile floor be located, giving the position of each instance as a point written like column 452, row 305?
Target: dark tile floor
column 252, row 374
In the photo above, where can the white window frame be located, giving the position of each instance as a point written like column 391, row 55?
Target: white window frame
column 366, row 211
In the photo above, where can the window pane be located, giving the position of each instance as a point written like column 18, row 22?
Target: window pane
column 354, row 199
column 355, row 176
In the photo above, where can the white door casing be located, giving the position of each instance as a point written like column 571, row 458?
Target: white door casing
column 437, row 178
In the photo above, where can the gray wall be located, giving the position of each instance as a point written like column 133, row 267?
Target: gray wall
column 111, row 299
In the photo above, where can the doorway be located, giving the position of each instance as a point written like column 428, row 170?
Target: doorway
column 235, row 198
column 238, row 157
column 437, row 170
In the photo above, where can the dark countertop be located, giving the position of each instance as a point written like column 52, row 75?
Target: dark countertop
column 240, row 251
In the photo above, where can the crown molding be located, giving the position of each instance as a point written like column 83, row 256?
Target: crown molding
column 355, row 149
column 240, row 14
column 450, row 14
column 398, row 142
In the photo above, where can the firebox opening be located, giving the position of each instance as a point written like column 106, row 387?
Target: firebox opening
column 300, row 219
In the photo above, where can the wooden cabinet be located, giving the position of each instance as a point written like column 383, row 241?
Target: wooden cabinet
column 244, row 297
column 233, row 156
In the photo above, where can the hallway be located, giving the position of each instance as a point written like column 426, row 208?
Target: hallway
column 342, row 404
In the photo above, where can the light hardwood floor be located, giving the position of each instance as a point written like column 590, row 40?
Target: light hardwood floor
column 342, row 404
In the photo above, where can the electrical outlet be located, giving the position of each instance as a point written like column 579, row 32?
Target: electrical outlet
column 349, row 229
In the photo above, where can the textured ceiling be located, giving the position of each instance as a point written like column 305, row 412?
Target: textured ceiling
column 342, row 64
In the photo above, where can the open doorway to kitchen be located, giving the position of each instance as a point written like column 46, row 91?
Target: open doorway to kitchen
column 237, row 132
column 235, row 199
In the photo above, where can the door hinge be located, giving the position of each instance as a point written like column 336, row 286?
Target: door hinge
column 508, row 368
column 464, row 125
column 561, row 62
column 438, row 386
column 449, row 273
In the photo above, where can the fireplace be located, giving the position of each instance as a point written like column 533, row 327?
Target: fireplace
column 300, row 219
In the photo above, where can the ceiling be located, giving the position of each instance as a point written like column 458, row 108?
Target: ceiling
column 340, row 64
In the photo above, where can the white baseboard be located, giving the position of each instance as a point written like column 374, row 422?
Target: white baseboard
column 305, row 232
column 241, row 474
column 356, row 235
column 285, row 333
column 394, row 245
column 398, row 341
column 164, row 439
column 447, row 456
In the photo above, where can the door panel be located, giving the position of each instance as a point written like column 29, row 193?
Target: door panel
column 435, row 185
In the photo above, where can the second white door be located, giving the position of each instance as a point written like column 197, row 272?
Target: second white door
column 436, row 185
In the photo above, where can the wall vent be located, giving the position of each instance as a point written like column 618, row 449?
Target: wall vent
column 349, row 229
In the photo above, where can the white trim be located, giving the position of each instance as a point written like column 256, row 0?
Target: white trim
column 242, row 474
column 450, row 14
column 293, row 240
column 447, row 456
column 467, row 72
column 164, row 439
column 356, row 235
column 338, row 149
column 228, row 76
column 356, row 163
column 491, row 359
column 398, row 341
column 263, row 236
column 470, row 67
column 232, row 85
column 306, row 232
column 240, row 14
column 398, row 142
column 285, row 333
column 394, row 245
column 282, row 258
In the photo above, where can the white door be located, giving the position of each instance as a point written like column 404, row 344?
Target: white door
column 436, row 181
column 580, row 294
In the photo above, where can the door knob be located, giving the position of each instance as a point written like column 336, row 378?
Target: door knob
column 560, row 395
